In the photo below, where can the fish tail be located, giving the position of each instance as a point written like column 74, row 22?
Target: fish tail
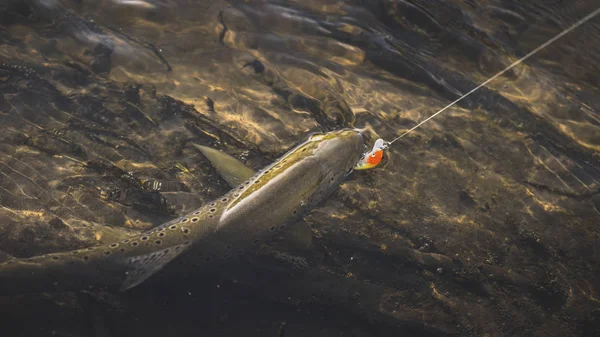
column 113, row 266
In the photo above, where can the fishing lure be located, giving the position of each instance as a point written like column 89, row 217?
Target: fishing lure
column 372, row 158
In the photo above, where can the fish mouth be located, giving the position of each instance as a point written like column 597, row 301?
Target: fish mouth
column 360, row 133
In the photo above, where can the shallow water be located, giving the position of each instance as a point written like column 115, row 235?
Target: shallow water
column 484, row 222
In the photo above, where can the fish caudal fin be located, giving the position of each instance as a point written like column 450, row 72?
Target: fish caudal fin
column 144, row 266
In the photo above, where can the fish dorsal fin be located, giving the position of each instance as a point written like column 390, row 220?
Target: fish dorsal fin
column 144, row 266
column 230, row 168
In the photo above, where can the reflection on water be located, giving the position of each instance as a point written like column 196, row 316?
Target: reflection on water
column 482, row 223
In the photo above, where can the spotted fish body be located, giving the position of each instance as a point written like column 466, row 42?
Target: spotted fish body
column 249, row 214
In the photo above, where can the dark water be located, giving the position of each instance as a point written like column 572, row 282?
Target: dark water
column 484, row 222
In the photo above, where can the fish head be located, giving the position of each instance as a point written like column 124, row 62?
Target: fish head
column 338, row 150
column 336, row 153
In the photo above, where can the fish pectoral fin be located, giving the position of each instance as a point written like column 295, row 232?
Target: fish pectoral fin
column 144, row 266
column 230, row 168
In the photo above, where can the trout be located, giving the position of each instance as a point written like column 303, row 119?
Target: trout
column 251, row 213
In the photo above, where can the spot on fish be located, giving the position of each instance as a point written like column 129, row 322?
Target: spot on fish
column 185, row 230
column 185, row 220
column 211, row 216
column 224, row 200
column 212, row 210
column 272, row 228
column 86, row 258
column 195, row 219
column 122, row 250
column 212, row 204
column 144, row 238
column 114, row 245
column 107, row 252
column 295, row 212
column 158, row 242
column 134, row 243
column 55, row 258
column 173, row 227
column 126, row 241
column 161, row 234
column 197, row 213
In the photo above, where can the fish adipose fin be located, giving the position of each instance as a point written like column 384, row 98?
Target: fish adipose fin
column 144, row 266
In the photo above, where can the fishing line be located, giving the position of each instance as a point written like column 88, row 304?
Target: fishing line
column 384, row 145
column 372, row 158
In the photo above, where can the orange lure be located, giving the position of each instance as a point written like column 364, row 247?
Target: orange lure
column 372, row 158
